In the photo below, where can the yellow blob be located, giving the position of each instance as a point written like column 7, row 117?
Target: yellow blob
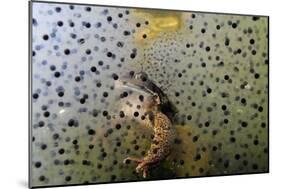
column 158, row 22
column 167, row 23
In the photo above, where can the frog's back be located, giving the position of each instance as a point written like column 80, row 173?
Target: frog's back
column 164, row 135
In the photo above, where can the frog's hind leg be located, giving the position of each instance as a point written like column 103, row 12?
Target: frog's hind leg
column 142, row 165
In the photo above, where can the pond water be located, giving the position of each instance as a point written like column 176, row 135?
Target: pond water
column 212, row 67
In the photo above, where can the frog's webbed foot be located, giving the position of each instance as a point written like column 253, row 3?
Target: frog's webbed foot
column 142, row 165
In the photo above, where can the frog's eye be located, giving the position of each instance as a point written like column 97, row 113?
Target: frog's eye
column 143, row 78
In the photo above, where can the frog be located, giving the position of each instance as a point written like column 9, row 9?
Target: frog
column 159, row 119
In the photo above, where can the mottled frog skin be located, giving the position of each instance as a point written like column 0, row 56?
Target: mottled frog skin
column 164, row 135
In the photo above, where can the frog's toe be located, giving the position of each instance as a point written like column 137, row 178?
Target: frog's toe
column 144, row 174
column 125, row 161
column 138, row 168
column 128, row 159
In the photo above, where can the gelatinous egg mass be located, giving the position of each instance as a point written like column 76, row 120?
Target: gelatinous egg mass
column 87, row 116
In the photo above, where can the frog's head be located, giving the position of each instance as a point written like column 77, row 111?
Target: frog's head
column 136, row 77
column 141, row 81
